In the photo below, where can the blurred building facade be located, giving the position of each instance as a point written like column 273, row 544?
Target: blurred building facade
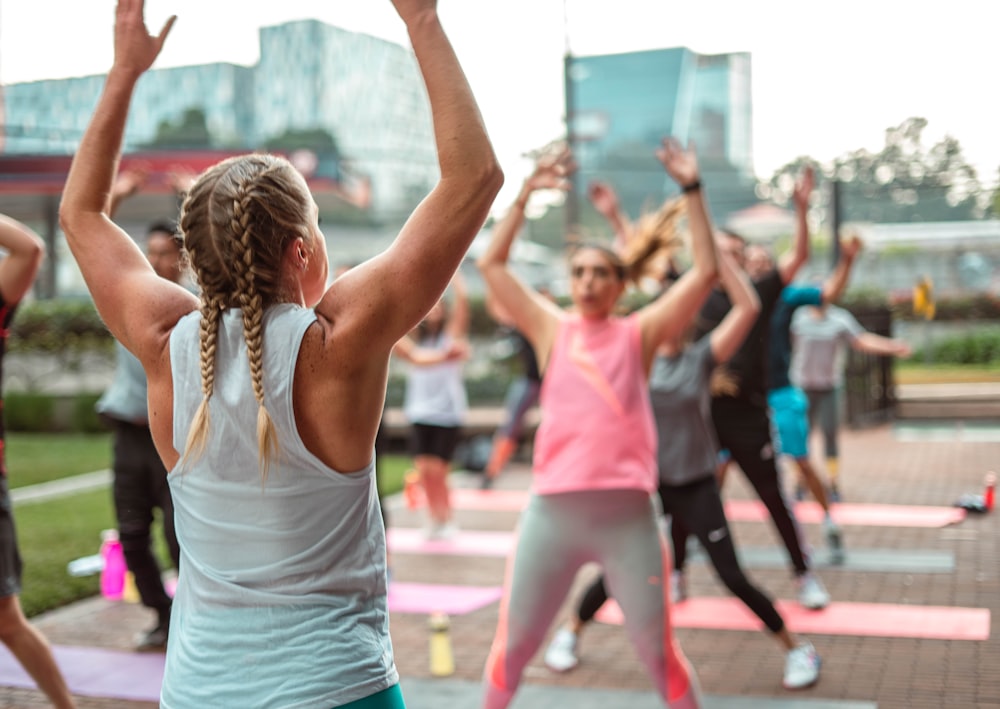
column 620, row 106
column 366, row 92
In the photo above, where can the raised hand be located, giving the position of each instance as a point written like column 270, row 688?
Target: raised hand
column 680, row 164
column 603, row 197
column 803, row 189
column 850, row 246
column 135, row 48
column 552, row 170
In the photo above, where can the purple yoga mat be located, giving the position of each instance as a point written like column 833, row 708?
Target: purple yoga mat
column 96, row 672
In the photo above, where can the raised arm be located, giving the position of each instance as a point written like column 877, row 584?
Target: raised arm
column 605, row 201
column 458, row 316
column 836, row 282
column 398, row 287
column 728, row 335
column 25, row 251
column 670, row 314
column 528, row 311
column 138, row 306
column 790, row 262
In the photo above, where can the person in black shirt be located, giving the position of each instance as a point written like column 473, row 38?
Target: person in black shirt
column 740, row 411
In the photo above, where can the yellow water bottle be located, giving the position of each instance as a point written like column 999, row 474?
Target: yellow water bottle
column 130, row 594
column 442, row 659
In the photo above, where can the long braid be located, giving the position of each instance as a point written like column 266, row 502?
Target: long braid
column 252, row 307
column 211, row 307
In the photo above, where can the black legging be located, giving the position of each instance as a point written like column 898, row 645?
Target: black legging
column 697, row 507
column 745, row 431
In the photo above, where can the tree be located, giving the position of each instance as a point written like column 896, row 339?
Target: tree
column 904, row 182
column 191, row 131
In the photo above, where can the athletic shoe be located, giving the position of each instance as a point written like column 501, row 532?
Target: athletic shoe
column 678, row 586
column 801, row 667
column 812, row 593
column 486, row 483
column 834, row 493
column 834, row 540
column 560, row 656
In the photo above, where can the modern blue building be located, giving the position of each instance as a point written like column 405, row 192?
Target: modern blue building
column 620, row 106
column 366, row 92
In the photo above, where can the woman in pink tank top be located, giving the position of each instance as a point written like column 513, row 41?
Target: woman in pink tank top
column 595, row 449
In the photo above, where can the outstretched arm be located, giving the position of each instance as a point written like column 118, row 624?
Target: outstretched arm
column 25, row 251
column 605, row 201
column 791, row 262
column 399, row 286
column 530, row 312
column 728, row 335
column 409, row 351
column 874, row 344
column 670, row 314
column 138, row 306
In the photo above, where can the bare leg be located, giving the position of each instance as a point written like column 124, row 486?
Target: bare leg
column 33, row 652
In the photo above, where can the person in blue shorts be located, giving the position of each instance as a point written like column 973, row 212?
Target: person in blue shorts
column 788, row 404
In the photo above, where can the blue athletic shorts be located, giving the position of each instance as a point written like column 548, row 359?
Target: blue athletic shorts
column 790, row 418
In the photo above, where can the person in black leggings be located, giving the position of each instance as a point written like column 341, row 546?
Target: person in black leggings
column 740, row 414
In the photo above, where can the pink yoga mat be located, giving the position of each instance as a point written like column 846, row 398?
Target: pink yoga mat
column 851, row 514
column 855, row 514
column 432, row 598
column 464, row 543
column 866, row 619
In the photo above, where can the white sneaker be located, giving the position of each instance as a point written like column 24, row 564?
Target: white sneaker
column 801, row 667
column 441, row 531
column 812, row 593
column 831, row 530
column 560, row 656
column 678, row 586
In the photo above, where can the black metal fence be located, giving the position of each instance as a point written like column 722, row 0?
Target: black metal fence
column 869, row 393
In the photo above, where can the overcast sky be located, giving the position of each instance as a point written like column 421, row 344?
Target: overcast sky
column 827, row 77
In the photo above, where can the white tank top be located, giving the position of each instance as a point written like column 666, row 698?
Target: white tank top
column 281, row 597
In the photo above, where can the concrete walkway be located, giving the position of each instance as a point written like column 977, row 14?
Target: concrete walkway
column 738, row 669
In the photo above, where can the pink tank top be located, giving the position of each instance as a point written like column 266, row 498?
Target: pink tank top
column 597, row 430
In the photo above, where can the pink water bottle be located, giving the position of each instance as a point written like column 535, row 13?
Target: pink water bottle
column 989, row 495
column 113, row 573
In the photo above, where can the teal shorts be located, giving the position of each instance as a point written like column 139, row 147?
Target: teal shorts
column 790, row 419
column 391, row 698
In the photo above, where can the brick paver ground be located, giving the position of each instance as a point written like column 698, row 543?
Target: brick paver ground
column 877, row 467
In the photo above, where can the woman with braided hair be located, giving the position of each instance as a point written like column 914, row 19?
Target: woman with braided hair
column 265, row 396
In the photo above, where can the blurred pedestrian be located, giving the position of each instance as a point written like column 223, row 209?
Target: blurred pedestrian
column 18, row 268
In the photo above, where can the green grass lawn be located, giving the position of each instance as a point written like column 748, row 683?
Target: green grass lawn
column 917, row 372
column 39, row 457
column 51, row 534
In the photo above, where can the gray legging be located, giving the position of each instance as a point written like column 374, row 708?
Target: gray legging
column 823, row 406
column 557, row 535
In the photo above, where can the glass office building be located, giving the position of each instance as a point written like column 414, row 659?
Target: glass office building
column 620, row 106
column 366, row 92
